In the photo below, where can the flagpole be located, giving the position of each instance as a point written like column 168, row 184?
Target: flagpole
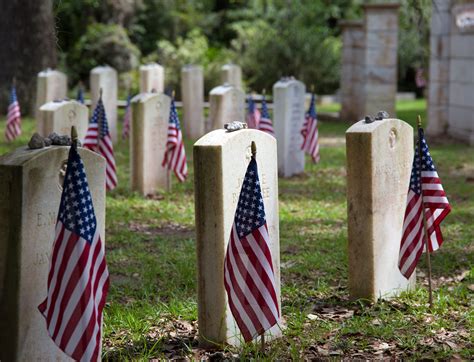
column 262, row 341
column 425, row 225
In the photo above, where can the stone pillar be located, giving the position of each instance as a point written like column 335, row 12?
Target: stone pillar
column 30, row 192
column 232, row 74
column 105, row 77
column 192, row 94
column 438, row 87
column 461, row 70
column 51, row 85
column 220, row 162
column 152, row 78
column 59, row 116
column 288, row 114
column 148, row 137
column 381, row 43
column 353, row 47
column 226, row 104
column 379, row 161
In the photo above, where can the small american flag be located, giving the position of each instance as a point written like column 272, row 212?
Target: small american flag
column 127, row 119
column 310, row 132
column 265, row 123
column 175, row 154
column 80, row 95
column 98, row 140
column 427, row 183
column 253, row 114
column 78, row 279
column 13, row 127
column 249, row 278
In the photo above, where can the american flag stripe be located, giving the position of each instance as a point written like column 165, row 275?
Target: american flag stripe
column 175, row 154
column 249, row 277
column 13, row 126
column 78, row 279
column 248, row 263
column 253, row 114
column 310, row 132
column 425, row 192
column 92, row 135
column 265, row 123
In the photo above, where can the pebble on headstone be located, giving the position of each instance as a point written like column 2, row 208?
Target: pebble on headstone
column 152, row 78
column 226, row 104
column 192, row 94
column 30, row 191
column 379, row 160
column 59, row 116
column 106, row 78
column 149, row 134
column 220, row 162
column 289, row 113
column 232, row 74
column 51, row 85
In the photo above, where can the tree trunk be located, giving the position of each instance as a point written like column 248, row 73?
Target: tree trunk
column 27, row 46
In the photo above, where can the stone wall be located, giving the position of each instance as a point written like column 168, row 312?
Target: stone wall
column 369, row 62
column 451, row 86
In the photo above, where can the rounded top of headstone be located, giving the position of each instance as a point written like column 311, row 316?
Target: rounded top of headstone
column 150, row 66
column 23, row 156
column 288, row 82
column 226, row 87
column 57, row 104
column 221, row 137
column 48, row 72
column 103, row 69
column 364, row 127
column 149, row 96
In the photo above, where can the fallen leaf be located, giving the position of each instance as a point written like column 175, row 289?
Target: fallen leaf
column 312, row 317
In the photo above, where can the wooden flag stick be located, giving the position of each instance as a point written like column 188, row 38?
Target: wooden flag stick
column 262, row 343
column 425, row 224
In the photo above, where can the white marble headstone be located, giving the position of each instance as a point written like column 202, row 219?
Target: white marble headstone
column 152, row 78
column 226, row 104
column 148, row 137
column 51, row 85
column 288, row 118
column 105, row 77
column 192, row 94
column 30, row 192
column 59, row 116
column 379, row 162
column 232, row 74
column 221, row 159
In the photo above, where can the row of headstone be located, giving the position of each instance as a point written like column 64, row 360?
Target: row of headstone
column 379, row 156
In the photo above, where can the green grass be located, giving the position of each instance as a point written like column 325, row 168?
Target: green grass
column 152, row 309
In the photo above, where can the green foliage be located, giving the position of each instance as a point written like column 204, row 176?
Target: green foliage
column 102, row 44
column 194, row 48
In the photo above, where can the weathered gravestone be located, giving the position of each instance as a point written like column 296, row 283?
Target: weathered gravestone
column 51, row 85
column 226, row 104
column 379, row 160
column 149, row 134
column 289, row 113
column 152, row 78
column 232, row 74
column 220, row 162
column 192, row 94
column 30, row 191
column 59, row 116
column 105, row 78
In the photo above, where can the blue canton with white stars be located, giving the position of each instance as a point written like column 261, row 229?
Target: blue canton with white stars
column 426, row 163
column 312, row 107
column 174, row 115
column 265, row 113
column 251, row 105
column 13, row 97
column 250, row 214
column 76, row 211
